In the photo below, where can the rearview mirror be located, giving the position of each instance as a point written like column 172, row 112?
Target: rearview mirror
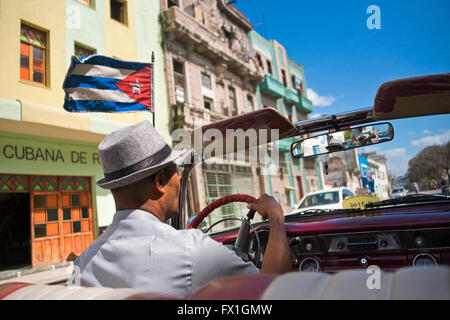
column 361, row 136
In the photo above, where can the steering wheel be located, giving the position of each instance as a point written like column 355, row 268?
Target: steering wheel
column 241, row 244
column 221, row 202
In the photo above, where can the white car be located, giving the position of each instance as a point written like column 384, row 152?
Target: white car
column 399, row 192
column 324, row 199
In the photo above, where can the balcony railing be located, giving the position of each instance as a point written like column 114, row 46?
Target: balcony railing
column 305, row 104
column 291, row 95
column 276, row 89
column 272, row 87
column 185, row 29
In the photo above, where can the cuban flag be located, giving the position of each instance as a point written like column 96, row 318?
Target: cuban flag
column 101, row 84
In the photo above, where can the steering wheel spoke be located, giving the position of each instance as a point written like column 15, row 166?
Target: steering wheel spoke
column 242, row 241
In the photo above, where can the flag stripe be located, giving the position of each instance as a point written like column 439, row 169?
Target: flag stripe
column 90, row 70
column 113, row 63
column 76, row 81
column 97, row 94
column 102, row 106
column 101, row 84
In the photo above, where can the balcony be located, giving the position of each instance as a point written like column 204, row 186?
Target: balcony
column 305, row 104
column 291, row 96
column 186, row 115
column 180, row 26
column 272, row 87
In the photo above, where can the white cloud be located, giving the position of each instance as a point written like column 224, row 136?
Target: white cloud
column 369, row 149
column 317, row 115
column 426, row 132
column 397, row 161
column 432, row 140
column 319, row 101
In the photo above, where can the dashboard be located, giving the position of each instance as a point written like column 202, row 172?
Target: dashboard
column 387, row 249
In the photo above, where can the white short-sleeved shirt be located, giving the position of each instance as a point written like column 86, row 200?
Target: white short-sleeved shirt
column 139, row 251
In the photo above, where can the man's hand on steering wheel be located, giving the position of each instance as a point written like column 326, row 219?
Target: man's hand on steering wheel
column 277, row 254
column 268, row 208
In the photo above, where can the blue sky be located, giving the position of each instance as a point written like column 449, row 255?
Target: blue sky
column 345, row 62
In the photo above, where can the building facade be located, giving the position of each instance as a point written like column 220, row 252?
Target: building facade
column 379, row 173
column 214, row 71
column 284, row 89
column 210, row 78
column 50, row 206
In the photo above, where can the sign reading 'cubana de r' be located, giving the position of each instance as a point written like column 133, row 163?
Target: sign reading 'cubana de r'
column 16, row 150
column 31, row 153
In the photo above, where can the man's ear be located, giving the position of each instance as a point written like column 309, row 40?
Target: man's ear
column 160, row 181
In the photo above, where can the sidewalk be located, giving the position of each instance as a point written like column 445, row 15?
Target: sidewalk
column 43, row 275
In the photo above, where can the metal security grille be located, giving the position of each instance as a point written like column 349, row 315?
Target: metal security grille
column 224, row 180
column 219, row 185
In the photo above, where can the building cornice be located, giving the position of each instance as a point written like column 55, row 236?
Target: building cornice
column 235, row 15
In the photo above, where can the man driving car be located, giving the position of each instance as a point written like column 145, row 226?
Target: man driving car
column 138, row 250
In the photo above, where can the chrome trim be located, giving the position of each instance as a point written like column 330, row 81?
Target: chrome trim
column 306, row 259
column 424, row 255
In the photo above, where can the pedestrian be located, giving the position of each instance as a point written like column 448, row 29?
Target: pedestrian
column 139, row 250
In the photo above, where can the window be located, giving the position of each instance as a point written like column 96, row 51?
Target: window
column 250, row 103
column 346, row 194
column 88, row 3
column 294, row 81
column 76, row 213
column 233, row 101
column 269, row 67
column 178, row 79
column 260, row 63
column 297, row 84
column 207, row 103
column 206, row 80
column 81, row 51
column 45, row 215
column 289, row 108
column 287, row 194
column 177, row 67
column 178, row 73
column 33, row 54
column 172, row 3
column 218, row 185
column 283, row 76
column 118, row 11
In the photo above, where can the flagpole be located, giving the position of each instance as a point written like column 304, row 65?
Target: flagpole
column 152, row 98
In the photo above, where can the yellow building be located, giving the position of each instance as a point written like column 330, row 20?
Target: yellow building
column 50, row 207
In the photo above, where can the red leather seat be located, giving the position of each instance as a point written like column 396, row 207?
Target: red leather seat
column 405, row 283
column 243, row 287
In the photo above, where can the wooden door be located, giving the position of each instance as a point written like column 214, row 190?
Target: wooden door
column 61, row 218
column 77, row 223
column 45, row 228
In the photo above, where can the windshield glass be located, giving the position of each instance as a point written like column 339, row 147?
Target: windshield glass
column 304, row 86
column 320, row 199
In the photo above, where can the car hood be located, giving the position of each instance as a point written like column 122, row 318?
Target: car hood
column 416, row 216
column 326, row 207
column 394, row 218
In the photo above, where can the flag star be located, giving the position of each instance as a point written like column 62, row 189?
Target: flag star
column 136, row 87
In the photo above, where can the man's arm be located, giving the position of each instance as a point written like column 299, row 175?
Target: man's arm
column 277, row 257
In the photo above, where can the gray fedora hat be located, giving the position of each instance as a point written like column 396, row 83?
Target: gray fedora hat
column 133, row 153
